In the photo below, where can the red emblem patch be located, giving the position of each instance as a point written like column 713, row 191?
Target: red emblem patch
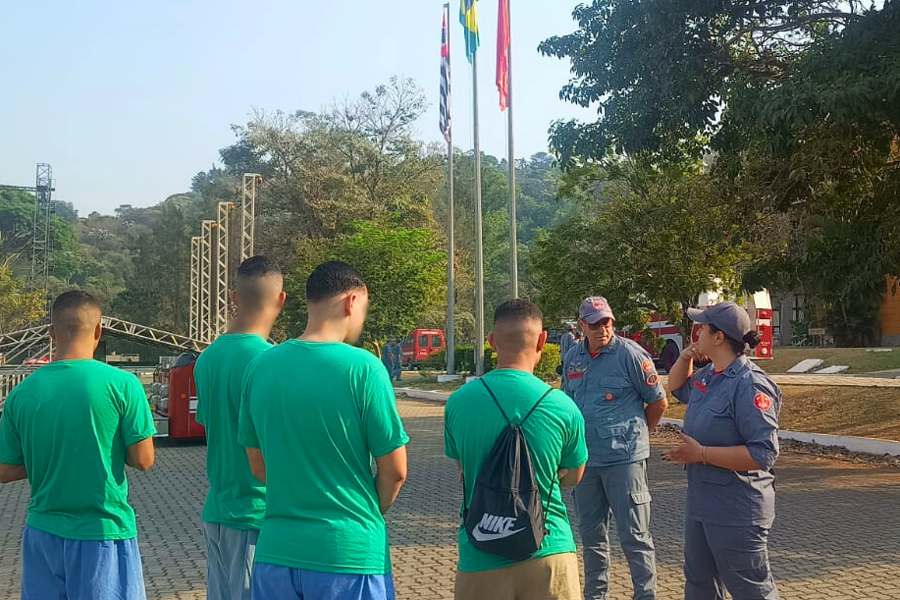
column 762, row 402
column 598, row 303
column 647, row 366
column 699, row 385
column 609, row 397
column 653, row 380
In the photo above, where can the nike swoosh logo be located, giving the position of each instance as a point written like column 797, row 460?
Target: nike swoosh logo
column 481, row 536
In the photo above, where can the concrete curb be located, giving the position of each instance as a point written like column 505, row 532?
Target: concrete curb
column 853, row 444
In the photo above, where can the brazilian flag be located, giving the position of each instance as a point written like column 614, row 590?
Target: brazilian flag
column 468, row 18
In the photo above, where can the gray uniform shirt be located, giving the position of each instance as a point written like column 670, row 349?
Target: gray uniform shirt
column 738, row 407
column 611, row 389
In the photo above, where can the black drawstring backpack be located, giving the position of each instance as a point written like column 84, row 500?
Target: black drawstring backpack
column 506, row 517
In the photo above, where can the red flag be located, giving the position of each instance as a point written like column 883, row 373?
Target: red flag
column 503, row 53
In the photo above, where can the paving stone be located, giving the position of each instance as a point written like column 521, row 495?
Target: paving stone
column 836, row 536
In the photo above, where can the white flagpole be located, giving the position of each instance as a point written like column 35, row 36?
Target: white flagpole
column 479, row 243
column 513, row 244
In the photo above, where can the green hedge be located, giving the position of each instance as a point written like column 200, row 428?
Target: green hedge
column 465, row 361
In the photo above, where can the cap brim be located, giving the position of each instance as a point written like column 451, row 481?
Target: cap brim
column 696, row 315
column 595, row 318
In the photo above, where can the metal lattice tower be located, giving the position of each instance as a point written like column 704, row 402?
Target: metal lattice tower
column 40, row 244
column 248, row 214
column 204, row 314
column 194, row 326
column 221, row 315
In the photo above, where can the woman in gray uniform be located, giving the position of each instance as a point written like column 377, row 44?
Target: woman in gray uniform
column 729, row 446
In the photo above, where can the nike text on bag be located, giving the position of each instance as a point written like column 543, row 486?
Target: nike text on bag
column 505, row 516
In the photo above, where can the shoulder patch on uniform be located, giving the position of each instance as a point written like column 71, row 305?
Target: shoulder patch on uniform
column 652, row 380
column 647, row 366
column 762, row 401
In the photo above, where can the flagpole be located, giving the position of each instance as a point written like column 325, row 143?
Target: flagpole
column 513, row 244
column 451, row 278
column 479, row 249
column 451, row 234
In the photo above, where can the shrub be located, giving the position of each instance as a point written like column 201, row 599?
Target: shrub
column 465, row 361
column 550, row 360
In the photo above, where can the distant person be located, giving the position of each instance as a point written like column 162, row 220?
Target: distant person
column 387, row 357
column 730, row 445
column 70, row 428
column 320, row 411
column 613, row 381
column 397, row 372
column 553, row 428
column 236, row 502
column 567, row 340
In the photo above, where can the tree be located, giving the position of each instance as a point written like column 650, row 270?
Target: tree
column 794, row 103
column 402, row 267
column 18, row 307
column 664, row 74
column 651, row 243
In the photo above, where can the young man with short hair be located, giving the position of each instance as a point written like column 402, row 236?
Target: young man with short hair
column 236, row 502
column 554, row 433
column 70, row 428
column 320, row 411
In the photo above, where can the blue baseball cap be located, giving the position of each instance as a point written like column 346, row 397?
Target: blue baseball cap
column 727, row 317
column 594, row 310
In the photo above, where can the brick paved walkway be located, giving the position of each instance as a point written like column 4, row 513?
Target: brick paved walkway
column 837, row 534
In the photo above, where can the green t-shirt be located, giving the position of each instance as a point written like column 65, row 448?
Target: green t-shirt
column 70, row 423
column 236, row 498
column 319, row 413
column 555, row 436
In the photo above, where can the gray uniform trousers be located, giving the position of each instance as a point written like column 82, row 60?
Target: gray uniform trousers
column 623, row 491
column 719, row 558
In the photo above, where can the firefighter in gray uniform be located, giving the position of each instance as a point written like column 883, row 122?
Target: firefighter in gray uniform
column 567, row 340
column 616, row 387
column 729, row 444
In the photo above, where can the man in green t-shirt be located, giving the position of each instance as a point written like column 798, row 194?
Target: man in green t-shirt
column 70, row 428
column 320, row 411
column 555, row 436
column 236, row 502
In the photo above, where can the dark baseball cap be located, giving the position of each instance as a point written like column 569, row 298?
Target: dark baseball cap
column 727, row 317
column 595, row 309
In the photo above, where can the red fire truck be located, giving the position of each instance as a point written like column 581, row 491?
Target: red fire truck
column 420, row 345
column 759, row 305
column 173, row 397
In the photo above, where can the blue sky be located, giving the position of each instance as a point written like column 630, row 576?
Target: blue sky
column 128, row 100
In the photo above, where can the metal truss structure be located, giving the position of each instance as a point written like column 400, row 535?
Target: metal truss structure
column 43, row 209
column 222, row 267
column 204, row 319
column 211, row 258
column 40, row 236
column 248, row 214
column 194, row 320
column 33, row 345
column 159, row 337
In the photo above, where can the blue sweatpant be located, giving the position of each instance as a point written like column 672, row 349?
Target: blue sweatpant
column 55, row 568
column 272, row 582
column 229, row 561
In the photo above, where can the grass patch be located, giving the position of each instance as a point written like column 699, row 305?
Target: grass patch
column 865, row 412
column 859, row 360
